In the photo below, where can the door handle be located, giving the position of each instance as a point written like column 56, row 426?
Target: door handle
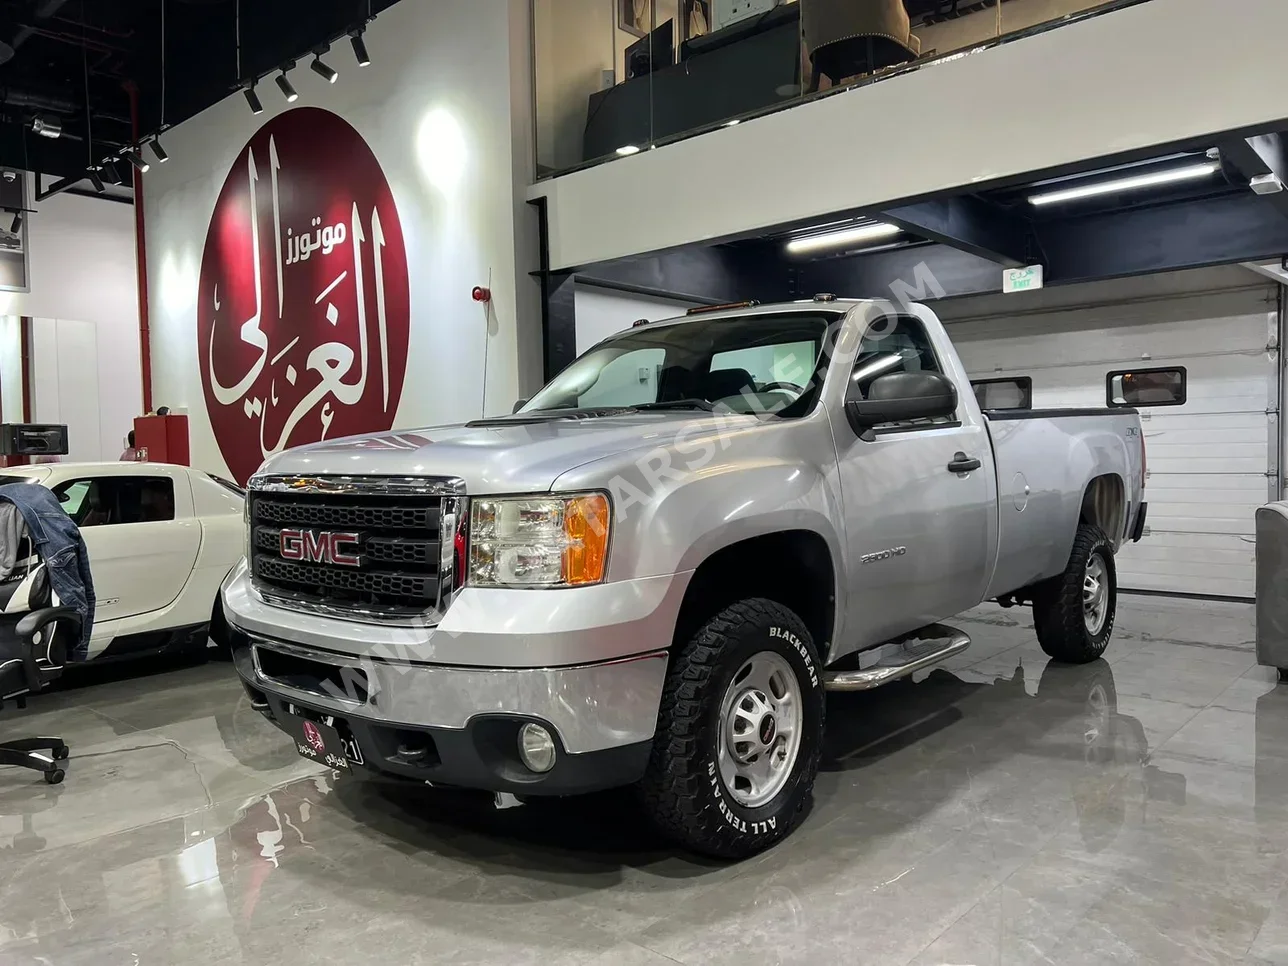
column 962, row 463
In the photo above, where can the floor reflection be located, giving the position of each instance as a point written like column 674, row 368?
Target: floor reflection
column 1035, row 767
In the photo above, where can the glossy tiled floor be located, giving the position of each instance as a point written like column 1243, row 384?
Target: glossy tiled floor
column 999, row 811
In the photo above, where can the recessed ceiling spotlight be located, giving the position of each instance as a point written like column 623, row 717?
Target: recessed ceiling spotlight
column 627, row 149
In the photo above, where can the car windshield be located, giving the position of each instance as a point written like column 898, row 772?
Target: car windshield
column 6, row 479
column 749, row 364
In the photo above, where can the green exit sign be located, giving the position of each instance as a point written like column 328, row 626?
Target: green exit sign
column 1021, row 279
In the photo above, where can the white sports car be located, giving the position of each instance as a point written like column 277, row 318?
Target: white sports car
column 161, row 539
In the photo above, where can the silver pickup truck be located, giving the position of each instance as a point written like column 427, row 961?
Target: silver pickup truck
column 652, row 571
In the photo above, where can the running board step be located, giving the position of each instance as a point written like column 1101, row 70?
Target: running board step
column 901, row 657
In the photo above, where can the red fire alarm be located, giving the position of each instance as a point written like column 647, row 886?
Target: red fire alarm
column 481, row 294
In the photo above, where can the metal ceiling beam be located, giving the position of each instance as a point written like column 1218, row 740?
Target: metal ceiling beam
column 1255, row 157
column 1231, row 228
column 969, row 225
column 913, row 273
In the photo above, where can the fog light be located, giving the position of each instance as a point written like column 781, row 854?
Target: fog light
column 536, row 747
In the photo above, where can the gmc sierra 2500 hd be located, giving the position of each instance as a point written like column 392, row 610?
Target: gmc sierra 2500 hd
column 650, row 573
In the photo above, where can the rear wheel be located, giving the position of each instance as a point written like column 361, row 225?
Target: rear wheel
column 739, row 733
column 1073, row 612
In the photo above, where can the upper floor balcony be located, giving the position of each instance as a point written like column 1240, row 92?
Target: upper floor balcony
column 616, row 77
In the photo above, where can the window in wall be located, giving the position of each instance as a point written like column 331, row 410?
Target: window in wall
column 998, row 394
column 1146, row 387
column 110, row 500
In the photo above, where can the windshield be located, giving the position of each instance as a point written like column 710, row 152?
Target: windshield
column 755, row 363
column 6, row 479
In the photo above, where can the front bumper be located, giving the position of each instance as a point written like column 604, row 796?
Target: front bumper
column 459, row 724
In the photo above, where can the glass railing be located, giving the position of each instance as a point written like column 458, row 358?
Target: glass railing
column 614, row 77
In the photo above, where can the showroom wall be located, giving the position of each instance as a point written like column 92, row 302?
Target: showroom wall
column 600, row 312
column 85, row 323
column 310, row 269
column 10, row 369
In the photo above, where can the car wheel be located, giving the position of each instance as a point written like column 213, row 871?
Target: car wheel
column 1073, row 612
column 739, row 733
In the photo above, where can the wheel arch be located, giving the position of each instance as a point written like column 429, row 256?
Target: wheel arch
column 1104, row 504
column 794, row 567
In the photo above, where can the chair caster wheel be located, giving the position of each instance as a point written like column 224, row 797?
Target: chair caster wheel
column 60, row 753
column 55, row 777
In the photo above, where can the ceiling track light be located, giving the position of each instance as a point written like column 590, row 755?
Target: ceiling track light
column 1190, row 172
column 134, row 159
column 96, row 181
column 840, row 239
column 288, row 89
column 16, row 225
column 112, row 173
column 256, row 106
column 158, row 150
column 360, row 49
column 326, row 72
column 47, row 126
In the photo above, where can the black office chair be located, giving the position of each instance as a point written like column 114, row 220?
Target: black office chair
column 33, row 649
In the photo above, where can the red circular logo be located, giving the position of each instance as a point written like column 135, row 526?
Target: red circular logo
column 303, row 310
column 313, row 736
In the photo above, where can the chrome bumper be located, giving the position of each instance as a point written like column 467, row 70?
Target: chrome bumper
column 592, row 706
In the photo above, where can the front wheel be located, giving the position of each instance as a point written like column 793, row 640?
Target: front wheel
column 1073, row 612
column 739, row 733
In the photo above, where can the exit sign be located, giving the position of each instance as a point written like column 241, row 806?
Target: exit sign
column 1021, row 279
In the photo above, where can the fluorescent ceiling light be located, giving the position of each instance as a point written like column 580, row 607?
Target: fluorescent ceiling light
column 839, row 239
column 626, row 149
column 1190, row 172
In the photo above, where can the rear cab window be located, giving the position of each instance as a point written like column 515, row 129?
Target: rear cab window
column 996, row 395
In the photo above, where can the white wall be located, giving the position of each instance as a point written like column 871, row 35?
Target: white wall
column 1114, row 83
column 600, row 312
column 460, row 66
column 10, row 369
column 85, row 329
column 77, row 368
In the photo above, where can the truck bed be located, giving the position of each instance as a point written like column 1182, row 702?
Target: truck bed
column 1044, row 458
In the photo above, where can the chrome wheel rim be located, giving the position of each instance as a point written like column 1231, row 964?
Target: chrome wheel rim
column 1095, row 594
column 760, row 729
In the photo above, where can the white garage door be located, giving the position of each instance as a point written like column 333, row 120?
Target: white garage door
column 1212, row 460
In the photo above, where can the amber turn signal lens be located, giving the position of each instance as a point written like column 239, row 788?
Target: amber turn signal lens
column 586, row 531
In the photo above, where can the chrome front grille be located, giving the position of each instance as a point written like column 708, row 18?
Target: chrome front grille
column 401, row 536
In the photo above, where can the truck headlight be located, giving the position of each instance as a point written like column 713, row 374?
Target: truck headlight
column 538, row 541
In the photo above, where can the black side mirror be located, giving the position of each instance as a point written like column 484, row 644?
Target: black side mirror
column 900, row 396
column 519, row 405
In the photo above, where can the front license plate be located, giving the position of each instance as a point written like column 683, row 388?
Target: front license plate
column 319, row 742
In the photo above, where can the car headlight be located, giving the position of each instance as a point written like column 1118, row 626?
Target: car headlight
column 538, row 541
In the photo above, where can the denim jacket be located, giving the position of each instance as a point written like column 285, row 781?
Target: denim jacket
column 59, row 544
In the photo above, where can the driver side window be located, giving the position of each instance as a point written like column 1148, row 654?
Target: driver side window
column 895, row 343
column 892, row 343
column 83, row 502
